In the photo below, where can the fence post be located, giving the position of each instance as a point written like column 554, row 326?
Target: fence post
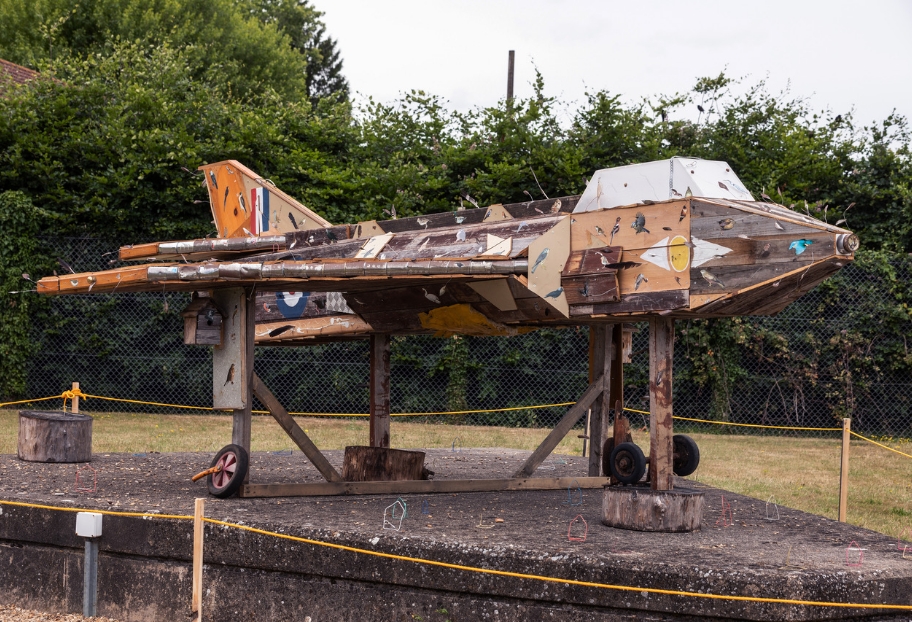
column 196, row 595
column 844, row 469
column 75, row 397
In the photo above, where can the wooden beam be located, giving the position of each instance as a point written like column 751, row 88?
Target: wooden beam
column 421, row 486
column 380, row 390
column 293, row 430
column 661, row 449
column 599, row 365
column 561, row 429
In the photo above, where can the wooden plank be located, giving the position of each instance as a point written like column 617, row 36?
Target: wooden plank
column 561, row 429
column 380, row 390
column 731, row 279
column 719, row 221
column 530, row 209
column 704, row 207
column 603, row 358
column 547, row 257
column 590, row 289
column 196, row 593
column 273, row 333
column 421, row 486
column 769, row 249
column 637, row 303
column 592, row 261
column 661, row 449
column 242, row 423
column 594, row 229
column 97, row 282
column 138, row 251
column 434, row 221
column 294, row 431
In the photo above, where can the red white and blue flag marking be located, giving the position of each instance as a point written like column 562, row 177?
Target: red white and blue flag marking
column 259, row 214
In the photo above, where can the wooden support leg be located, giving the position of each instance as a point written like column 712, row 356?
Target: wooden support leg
column 661, row 449
column 561, row 429
column 602, row 355
column 380, row 390
column 232, row 362
column 293, row 430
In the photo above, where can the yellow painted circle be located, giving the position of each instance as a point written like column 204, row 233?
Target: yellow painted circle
column 678, row 253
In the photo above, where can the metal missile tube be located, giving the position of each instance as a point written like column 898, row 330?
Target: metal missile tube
column 351, row 268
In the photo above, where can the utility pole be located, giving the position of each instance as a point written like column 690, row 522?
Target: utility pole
column 510, row 78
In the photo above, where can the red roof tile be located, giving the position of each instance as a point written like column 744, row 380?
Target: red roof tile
column 17, row 73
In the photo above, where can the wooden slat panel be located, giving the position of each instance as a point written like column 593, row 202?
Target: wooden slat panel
column 530, row 209
column 779, row 211
column 421, row 486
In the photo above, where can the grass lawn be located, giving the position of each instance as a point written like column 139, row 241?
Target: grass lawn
column 800, row 473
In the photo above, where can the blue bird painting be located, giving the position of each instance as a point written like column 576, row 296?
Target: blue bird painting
column 799, row 246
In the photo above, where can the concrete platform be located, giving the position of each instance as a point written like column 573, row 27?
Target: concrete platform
column 144, row 567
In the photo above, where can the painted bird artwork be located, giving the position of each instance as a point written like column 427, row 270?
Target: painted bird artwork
column 726, row 224
column 615, row 229
column 431, row 296
column 557, row 292
column 639, row 223
column 214, row 182
column 230, row 377
column 711, row 278
column 639, row 281
column 683, row 210
column 291, row 217
column 541, row 257
column 799, row 246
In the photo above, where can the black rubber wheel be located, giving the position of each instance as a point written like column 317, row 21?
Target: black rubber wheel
column 686, row 455
column 628, row 464
column 607, row 448
column 234, row 462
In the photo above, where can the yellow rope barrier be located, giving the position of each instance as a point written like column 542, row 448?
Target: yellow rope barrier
column 864, row 438
column 488, row 571
column 757, row 425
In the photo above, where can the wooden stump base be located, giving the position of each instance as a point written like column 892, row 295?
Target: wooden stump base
column 644, row 509
column 380, row 464
column 54, row 436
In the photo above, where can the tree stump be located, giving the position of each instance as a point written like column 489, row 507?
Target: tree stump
column 54, row 436
column 644, row 509
column 381, row 464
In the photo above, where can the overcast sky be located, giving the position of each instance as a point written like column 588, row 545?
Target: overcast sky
column 839, row 55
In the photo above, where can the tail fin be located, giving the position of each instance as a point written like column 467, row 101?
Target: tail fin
column 243, row 203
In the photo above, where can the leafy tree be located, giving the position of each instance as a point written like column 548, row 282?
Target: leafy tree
column 222, row 45
column 301, row 23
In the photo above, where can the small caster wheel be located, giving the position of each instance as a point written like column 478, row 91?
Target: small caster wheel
column 232, row 462
column 627, row 462
column 686, row 457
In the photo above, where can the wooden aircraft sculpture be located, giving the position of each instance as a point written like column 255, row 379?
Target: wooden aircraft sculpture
column 679, row 238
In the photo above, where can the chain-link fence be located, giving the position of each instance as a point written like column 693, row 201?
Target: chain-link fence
column 841, row 350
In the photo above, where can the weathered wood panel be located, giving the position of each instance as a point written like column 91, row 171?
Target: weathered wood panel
column 731, row 279
column 592, row 261
column 54, row 436
column 641, row 509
